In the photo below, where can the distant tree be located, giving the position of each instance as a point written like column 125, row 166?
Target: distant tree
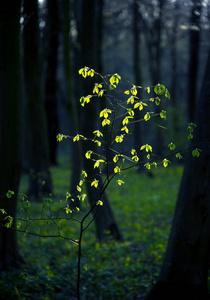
column 194, row 46
column 10, row 126
column 153, row 28
column 36, row 143
column 51, row 43
column 71, row 80
column 185, row 267
column 137, row 68
column 89, row 39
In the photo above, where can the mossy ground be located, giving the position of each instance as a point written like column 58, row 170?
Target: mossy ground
column 143, row 209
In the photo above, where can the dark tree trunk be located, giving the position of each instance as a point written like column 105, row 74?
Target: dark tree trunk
column 36, row 144
column 185, row 268
column 153, row 40
column 137, row 73
column 71, row 102
column 51, row 55
column 10, row 126
column 90, row 51
column 194, row 45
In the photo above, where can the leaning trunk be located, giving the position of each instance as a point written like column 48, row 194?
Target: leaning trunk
column 185, row 268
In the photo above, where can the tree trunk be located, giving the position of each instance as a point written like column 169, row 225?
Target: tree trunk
column 185, row 268
column 90, row 51
column 10, row 126
column 194, row 46
column 51, row 53
column 137, row 76
column 36, row 144
column 71, row 102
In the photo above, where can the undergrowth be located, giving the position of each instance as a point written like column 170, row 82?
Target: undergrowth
column 110, row 270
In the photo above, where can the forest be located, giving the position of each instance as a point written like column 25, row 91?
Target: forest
column 105, row 149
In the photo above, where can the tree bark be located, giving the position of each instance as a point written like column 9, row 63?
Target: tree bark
column 36, row 144
column 185, row 268
column 51, row 57
column 10, row 127
column 90, row 51
column 194, row 45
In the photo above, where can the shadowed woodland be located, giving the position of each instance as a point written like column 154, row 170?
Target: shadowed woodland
column 146, row 235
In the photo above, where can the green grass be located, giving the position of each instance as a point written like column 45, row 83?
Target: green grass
column 143, row 209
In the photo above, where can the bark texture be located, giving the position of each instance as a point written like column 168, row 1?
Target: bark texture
column 10, row 127
column 185, row 268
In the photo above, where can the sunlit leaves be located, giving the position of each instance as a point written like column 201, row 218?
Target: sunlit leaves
column 95, row 183
column 60, row 137
column 130, row 112
column 98, row 143
column 134, row 90
column 148, row 166
column 84, row 173
column 159, row 89
column 119, row 138
column 97, row 163
column 9, row 194
column 157, row 100
column 126, row 120
column 117, row 169
column 116, row 157
column 105, row 122
column 178, row 155
column 147, row 116
column 190, row 128
column 171, row 146
column 99, row 202
column 10, row 221
column 67, row 209
column 140, row 105
column 68, row 195
column 147, row 147
column 131, row 100
column 134, row 155
column 163, row 114
column 3, row 211
column 88, row 154
column 77, row 137
column 115, row 78
column 105, row 113
column 84, row 100
column 167, row 94
column 98, row 133
column 86, row 72
column 196, row 152
column 120, row 182
column 125, row 128
column 165, row 162
column 148, row 89
column 97, row 88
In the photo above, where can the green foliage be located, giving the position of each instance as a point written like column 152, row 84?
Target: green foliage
column 131, row 265
column 55, row 218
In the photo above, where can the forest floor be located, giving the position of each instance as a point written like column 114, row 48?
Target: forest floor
column 143, row 208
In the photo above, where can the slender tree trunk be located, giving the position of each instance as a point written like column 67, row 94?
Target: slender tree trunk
column 51, row 57
column 185, row 268
column 90, row 50
column 71, row 102
column 36, row 145
column 137, row 73
column 194, row 46
column 10, row 127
